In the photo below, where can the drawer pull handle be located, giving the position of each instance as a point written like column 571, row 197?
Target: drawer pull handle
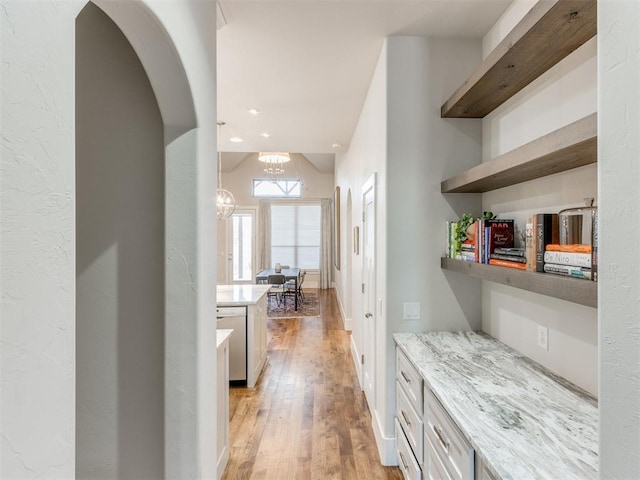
column 404, row 463
column 438, row 433
column 406, row 419
column 404, row 375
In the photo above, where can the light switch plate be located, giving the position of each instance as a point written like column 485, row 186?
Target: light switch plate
column 412, row 311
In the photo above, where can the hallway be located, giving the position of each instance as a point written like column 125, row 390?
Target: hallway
column 307, row 418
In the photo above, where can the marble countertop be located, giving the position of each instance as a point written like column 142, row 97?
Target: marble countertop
column 238, row 295
column 223, row 335
column 523, row 421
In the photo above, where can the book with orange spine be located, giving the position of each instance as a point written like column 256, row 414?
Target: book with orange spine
column 507, row 263
column 572, row 248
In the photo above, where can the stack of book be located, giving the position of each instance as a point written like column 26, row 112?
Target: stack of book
column 483, row 238
column 569, row 260
column 509, row 257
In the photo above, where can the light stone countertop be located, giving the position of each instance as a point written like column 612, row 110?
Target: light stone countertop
column 523, row 421
column 223, row 334
column 238, row 295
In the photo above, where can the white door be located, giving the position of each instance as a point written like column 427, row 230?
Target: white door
column 369, row 291
column 237, row 253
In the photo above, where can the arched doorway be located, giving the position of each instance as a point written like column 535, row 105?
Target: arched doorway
column 134, row 119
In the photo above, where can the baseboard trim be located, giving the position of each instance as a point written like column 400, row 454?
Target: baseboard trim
column 355, row 356
column 348, row 324
column 343, row 317
column 386, row 445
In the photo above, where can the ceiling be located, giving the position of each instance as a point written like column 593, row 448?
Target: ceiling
column 306, row 66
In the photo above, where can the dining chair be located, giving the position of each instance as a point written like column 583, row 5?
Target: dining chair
column 290, row 288
column 277, row 282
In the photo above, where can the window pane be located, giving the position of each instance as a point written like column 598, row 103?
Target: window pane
column 287, row 188
column 295, row 235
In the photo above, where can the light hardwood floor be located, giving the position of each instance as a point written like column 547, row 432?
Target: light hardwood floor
column 307, row 417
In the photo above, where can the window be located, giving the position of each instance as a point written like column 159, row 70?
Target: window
column 288, row 188
column 295, row 235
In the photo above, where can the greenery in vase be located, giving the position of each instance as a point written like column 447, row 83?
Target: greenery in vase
column 463, row 226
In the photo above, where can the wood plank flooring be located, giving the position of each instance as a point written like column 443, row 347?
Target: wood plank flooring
column 307, row 417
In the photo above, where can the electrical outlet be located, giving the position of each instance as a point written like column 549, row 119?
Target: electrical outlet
column 543, row 337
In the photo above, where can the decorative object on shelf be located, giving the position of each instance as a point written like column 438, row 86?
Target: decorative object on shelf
column 225, row 201
column 274, row 163
column 577, row 224
column 466, row 229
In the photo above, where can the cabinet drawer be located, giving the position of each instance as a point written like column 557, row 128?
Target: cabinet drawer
column 410, row 380
column 406, row 461
column 433, row 467
column 452, row 448
column 410, row 422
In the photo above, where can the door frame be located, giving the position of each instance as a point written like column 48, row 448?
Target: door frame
column 229, row 245
column 368, row 353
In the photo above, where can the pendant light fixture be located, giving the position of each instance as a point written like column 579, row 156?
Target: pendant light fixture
column 225, row 202
column 274, row 163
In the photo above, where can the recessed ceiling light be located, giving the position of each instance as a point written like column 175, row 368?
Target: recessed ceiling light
column 265, row 134
column 254, row 111
column 235, row 139
column 336, row 145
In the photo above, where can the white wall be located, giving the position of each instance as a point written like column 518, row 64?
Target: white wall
column 562, row 95
column 401, row 136
column 619, row 276
column 176, row 43
column 366, row 156
column 119, row 258
column 239, row 181
column 37, row 275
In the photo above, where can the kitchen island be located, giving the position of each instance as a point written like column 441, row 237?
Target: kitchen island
column 518, row 419
column 248, row 344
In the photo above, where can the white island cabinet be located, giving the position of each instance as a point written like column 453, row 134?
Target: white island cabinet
column 222, row 383
column 254, row 298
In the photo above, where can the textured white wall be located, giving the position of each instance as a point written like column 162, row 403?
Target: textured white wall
column 37, row 272
column 619, row 177
column 119, row 258
column 38, row 244
column 562, row 95
column 366, row 156
column 401, row 136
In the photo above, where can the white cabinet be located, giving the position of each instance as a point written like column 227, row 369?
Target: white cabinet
column 256, row 340
column 222, row 388
column 409, row 424
column 444, row 440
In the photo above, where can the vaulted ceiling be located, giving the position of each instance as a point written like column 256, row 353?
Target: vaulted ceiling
column 306, row 66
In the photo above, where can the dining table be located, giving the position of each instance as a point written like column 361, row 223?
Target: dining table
column 289, row 274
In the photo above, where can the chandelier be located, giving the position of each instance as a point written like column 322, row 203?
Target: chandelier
column 274, row 163
column 225, row 202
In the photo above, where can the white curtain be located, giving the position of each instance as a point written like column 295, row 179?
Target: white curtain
column 326, row 243
column 264, row 234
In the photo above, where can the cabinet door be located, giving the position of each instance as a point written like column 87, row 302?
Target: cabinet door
column 222, row 388
column 452, row 448
column 406, row 461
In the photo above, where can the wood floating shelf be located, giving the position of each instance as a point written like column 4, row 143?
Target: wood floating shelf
column 548, row 33
column 576, row 290
column 569, row 147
